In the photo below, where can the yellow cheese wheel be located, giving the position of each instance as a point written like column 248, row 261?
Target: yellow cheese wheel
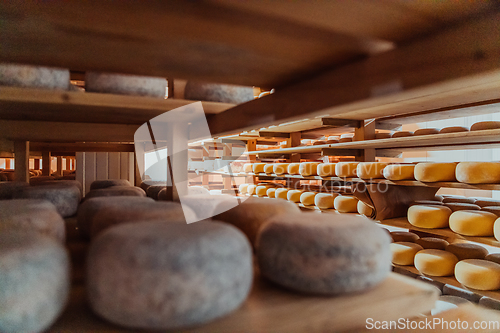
column 270, row 192
column 281, row 193
column 269, row 168
column 294, row 195
column 432, row 243
column 478, row 274
column 307, row 198
column 472, row 222
column 364, row 209
column 429, row 217
column 346, row 204
column 346, row 169
column 382, row 135
column 435, row 262
column 426, row 131
column 435, row 172
column 404, row 236
column 453, row 129
column 326, row 169
column 467, row 251
column 325, row 200
column 496, row 229
column 485, row 125
column 251, row 189
column 401, row 134
column 403, row 253
column 478, row 172
column 258, row 167
column 308, row 168
column 293, row 169
column 243, row 188
column 261, row 190
column 399, row 172
column 492, row 209
column 248, row 167
column 280, row 168
column 370, row 170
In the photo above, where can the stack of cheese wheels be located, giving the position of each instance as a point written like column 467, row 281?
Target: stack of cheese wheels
column 308, row 168
column 467, row 251
column 478, row 172
column 326, row 169
column 426, row 131
column 293, row 169
column 472, row 222
column 346, row 204
column 404, row 236
column 429, row 216
column 294, row 195
column 364, row 209
column 125, row 84
column 248, row 167
column 280, row 168
column 258, row 167
column 370, row 170
column 307, row 198
column 325, row 200
column 346, row 169
column 251, row 189
column 432, row 243
column 485, row 125
column 453, row 129
column 17, row 75
column 242, row 189
column 435, row 262
column 478, row 274
column 403, row 253
column 281, row 193
column 269, row 168
column 399, row 172
column 435, row 172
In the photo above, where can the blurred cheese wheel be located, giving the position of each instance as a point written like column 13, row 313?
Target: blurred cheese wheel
column 404, row 236
column 280, row 168
column 243, row 188
column 281, row 193
column 435, row 172
column 478, row 172
column 495, row 257
column 472, row 223
column 453, row 129
column 346, row 169
column 483, row 202
column 426, row 131
column 326, row 169
column 427, row 202
column 432, row 243
column 325, row 200
column 478, row 274
column 467, row 251
column 319, row 142
column 125, row 84
column 261, row 190
column 270, row 192
column 364, row 209
column 345, row 204
column 215, row 92
column 382, row 135
column 429, row 217
column 258, row 167
column 485, row 125
column 403, row 253
column 456, row 206
column 307, row 198
column 17, row 75
column 293, row 168
column 251, row 189
column 492, row 209
column 399, row 172
column 401, row 134
column 370, row 170
column 435, row 262
column 458, row 199
column 269, row 168
column 294, row 195
column 248, row 167
column 308, row 168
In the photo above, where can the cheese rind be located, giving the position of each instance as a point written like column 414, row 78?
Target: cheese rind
column 307, row 198
column 325, row 200
column 432, row 243
column 478, row 274
column 435, row 262
column 478, row 172
column 403, row 253
column 426, row 131
column 269, row 168
column 467, row 251
column 280, row 168
column 345, row 204
column 429, row 217
column 435, row 172
column 346, row 169
column 472, row 222
column 399, row 172
column 293, row 169
column 258, row 167
column 125, row 84
column 370, row 170
column 281, row 193
column 401, row 134
column 485, row 125
column 65, row 198
column 326, row 169
column 248, row 167
column 308, row 168
column 294, row 195
column 496, row 229
column 404, row 236
column 364, row 209
column 453, row 129
column 271, row 192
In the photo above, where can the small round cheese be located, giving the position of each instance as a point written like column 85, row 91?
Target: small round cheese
column 293, row 169
column 467, row 251
column 97, row 184
column 258, row 167
column 432, row 243
column 453, row 129
column 251, row 189
column 493, row 209
column 472, row 223
column 426, row 131
column 28, row 76
column 271, row 192
column 455, row 206
column 307, row 198
column 269, row 168
column 364, row 209
column 401, row 134
column 281, row 193
column 382, row 135
column 242, row 189
column 248, row 167
column 495, row 257
column 326, row 169
column 478, row 172
column 370, row 170
column 485, row 125
column 429, row 217
column 64, row 198
column 435, row 262
column 280, row 168
column 399, row 172
column 458, row 199
column 435, row 172
column 125, row 84
column 404, row 236
column 478, row 274
column 346, row 169
column 294, row 195
column 346, row 204
column 308, row 168
column 325, row 200
column 403, row 253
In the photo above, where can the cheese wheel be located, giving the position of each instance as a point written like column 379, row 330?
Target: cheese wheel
column 125, row 84
column 429, row 217
column 346, row 137
column 269, row 168
column 328, row 254
column 281, row 193
column 432, row 243
column 319, row 142
column 485, row 125
column 426, row 131
column 345, row 204
column 427, row 202
column 242, row 189
column 435, row 172
column 435, row 262
column 403, row 253
column 364, row 209
column 399, row 172
column 308, row 168
column 346, row 169
column 467, row 251
column 280, row 168
column 401, row 134
column 251, row 189
column 493, row 209
column 215, row 92
column 496, row 229
column 382, row 135
column 478, row 172
column 370, row 170
column 9, row 188
column 64, row 198
column 453, row 129
column 294, row 195
column 472, row 223
column 478, row 274
column 248, row 167
column 456, row 206
column 293, row 168
column 495, row 257
column 154, row 190
column 270, row 192
column 326, row 169
column 118, row 191
column 483, row 202
column 195, row 281
column 307, row 198
column 333, row 137
column 18, row 75
column 404, row 236
column 261, row 190
column 97, row 184
column 258, row 167
column 458, row 199
column 325, row 200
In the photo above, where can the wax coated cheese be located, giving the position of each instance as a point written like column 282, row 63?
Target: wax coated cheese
column 429, row 217
column 399, row 172
column 403, row 253
column 346, row 204
column 435, row 172
column 478, row 274
column 435, row 262
column 478, row 172
column 472, row 222
column 370, row 170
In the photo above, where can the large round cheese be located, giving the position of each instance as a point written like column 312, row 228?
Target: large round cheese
column 125, row 84
column 435, row 172
column 269, row 168
column 467, row 251
column 478, row 274
column 327, row 254
column 346, row 169
column 404, row 236
column 325, row 200
column 364, row 209
column 258, row 167
column 242, row 189
column 483, row 202
column 478, row 172
column 308, row 168
column 294, row 195
column 307, row 198
column 280, row 168
column 382, row 135
column 293, row 169
column 346, row 204
column 435, row 262
column 154, row 190
column 97, row 184
column 271, row 192
column 193, row 281
column 495, row 257
column 472, row 223
column 17, row 75
column 326, row 169
column 432, row 243
column 426, row 131
column 281, row 193
column 403, row 253
column 64, row 198
column 251, row 189
column 485, row 125
column 453, row 129
column 399, row 172
column 248, row 167
column 261, row 190
column 370, row 170
column 9, row 188
column 429, row 217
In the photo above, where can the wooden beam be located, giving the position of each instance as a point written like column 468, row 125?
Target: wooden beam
column 46, row 163
column 366, row 131
column 21, row 160
column 340, row 122
column 267, row 134
column 59, row 170
column 37, row 164
column 82, row 147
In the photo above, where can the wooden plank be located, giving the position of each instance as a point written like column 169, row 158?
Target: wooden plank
column 124, row 166
column 36, row 164
column 90, row 170
column 366, row 131
column 80, row 170
column 59, row 168
column 114, row 165
column 46, row 163
column 21, row 161
column 101, row 160
column 82, row 147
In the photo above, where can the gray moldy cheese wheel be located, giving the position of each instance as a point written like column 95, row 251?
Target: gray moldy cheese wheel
column 426, row 131
column 91, row 207
column 34, row 281
column 483, row 202
column 432, row 243
column 63, row 182
column 328, row 255
column 495, row 257
column 8, row 189
column 116, row 191
column 125, row 84
column 253, row 213
column 485, row 125
column 38, row 179
column 156, row 275
column 453, row 129
column 213, row 92
column 426, row 202
column 478, row 172
column 404, row 236
column 154, row 190
column 28, row 76
column 98, row 184
column 455, row 206
column 65, row 198
column 467, row 251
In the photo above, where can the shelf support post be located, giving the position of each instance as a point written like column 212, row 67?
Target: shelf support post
column 366, row 131
column 21, row 160
column 46, row 162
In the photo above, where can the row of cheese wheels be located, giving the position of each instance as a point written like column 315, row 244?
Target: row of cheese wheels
column 471, row 264
column 464, row 172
